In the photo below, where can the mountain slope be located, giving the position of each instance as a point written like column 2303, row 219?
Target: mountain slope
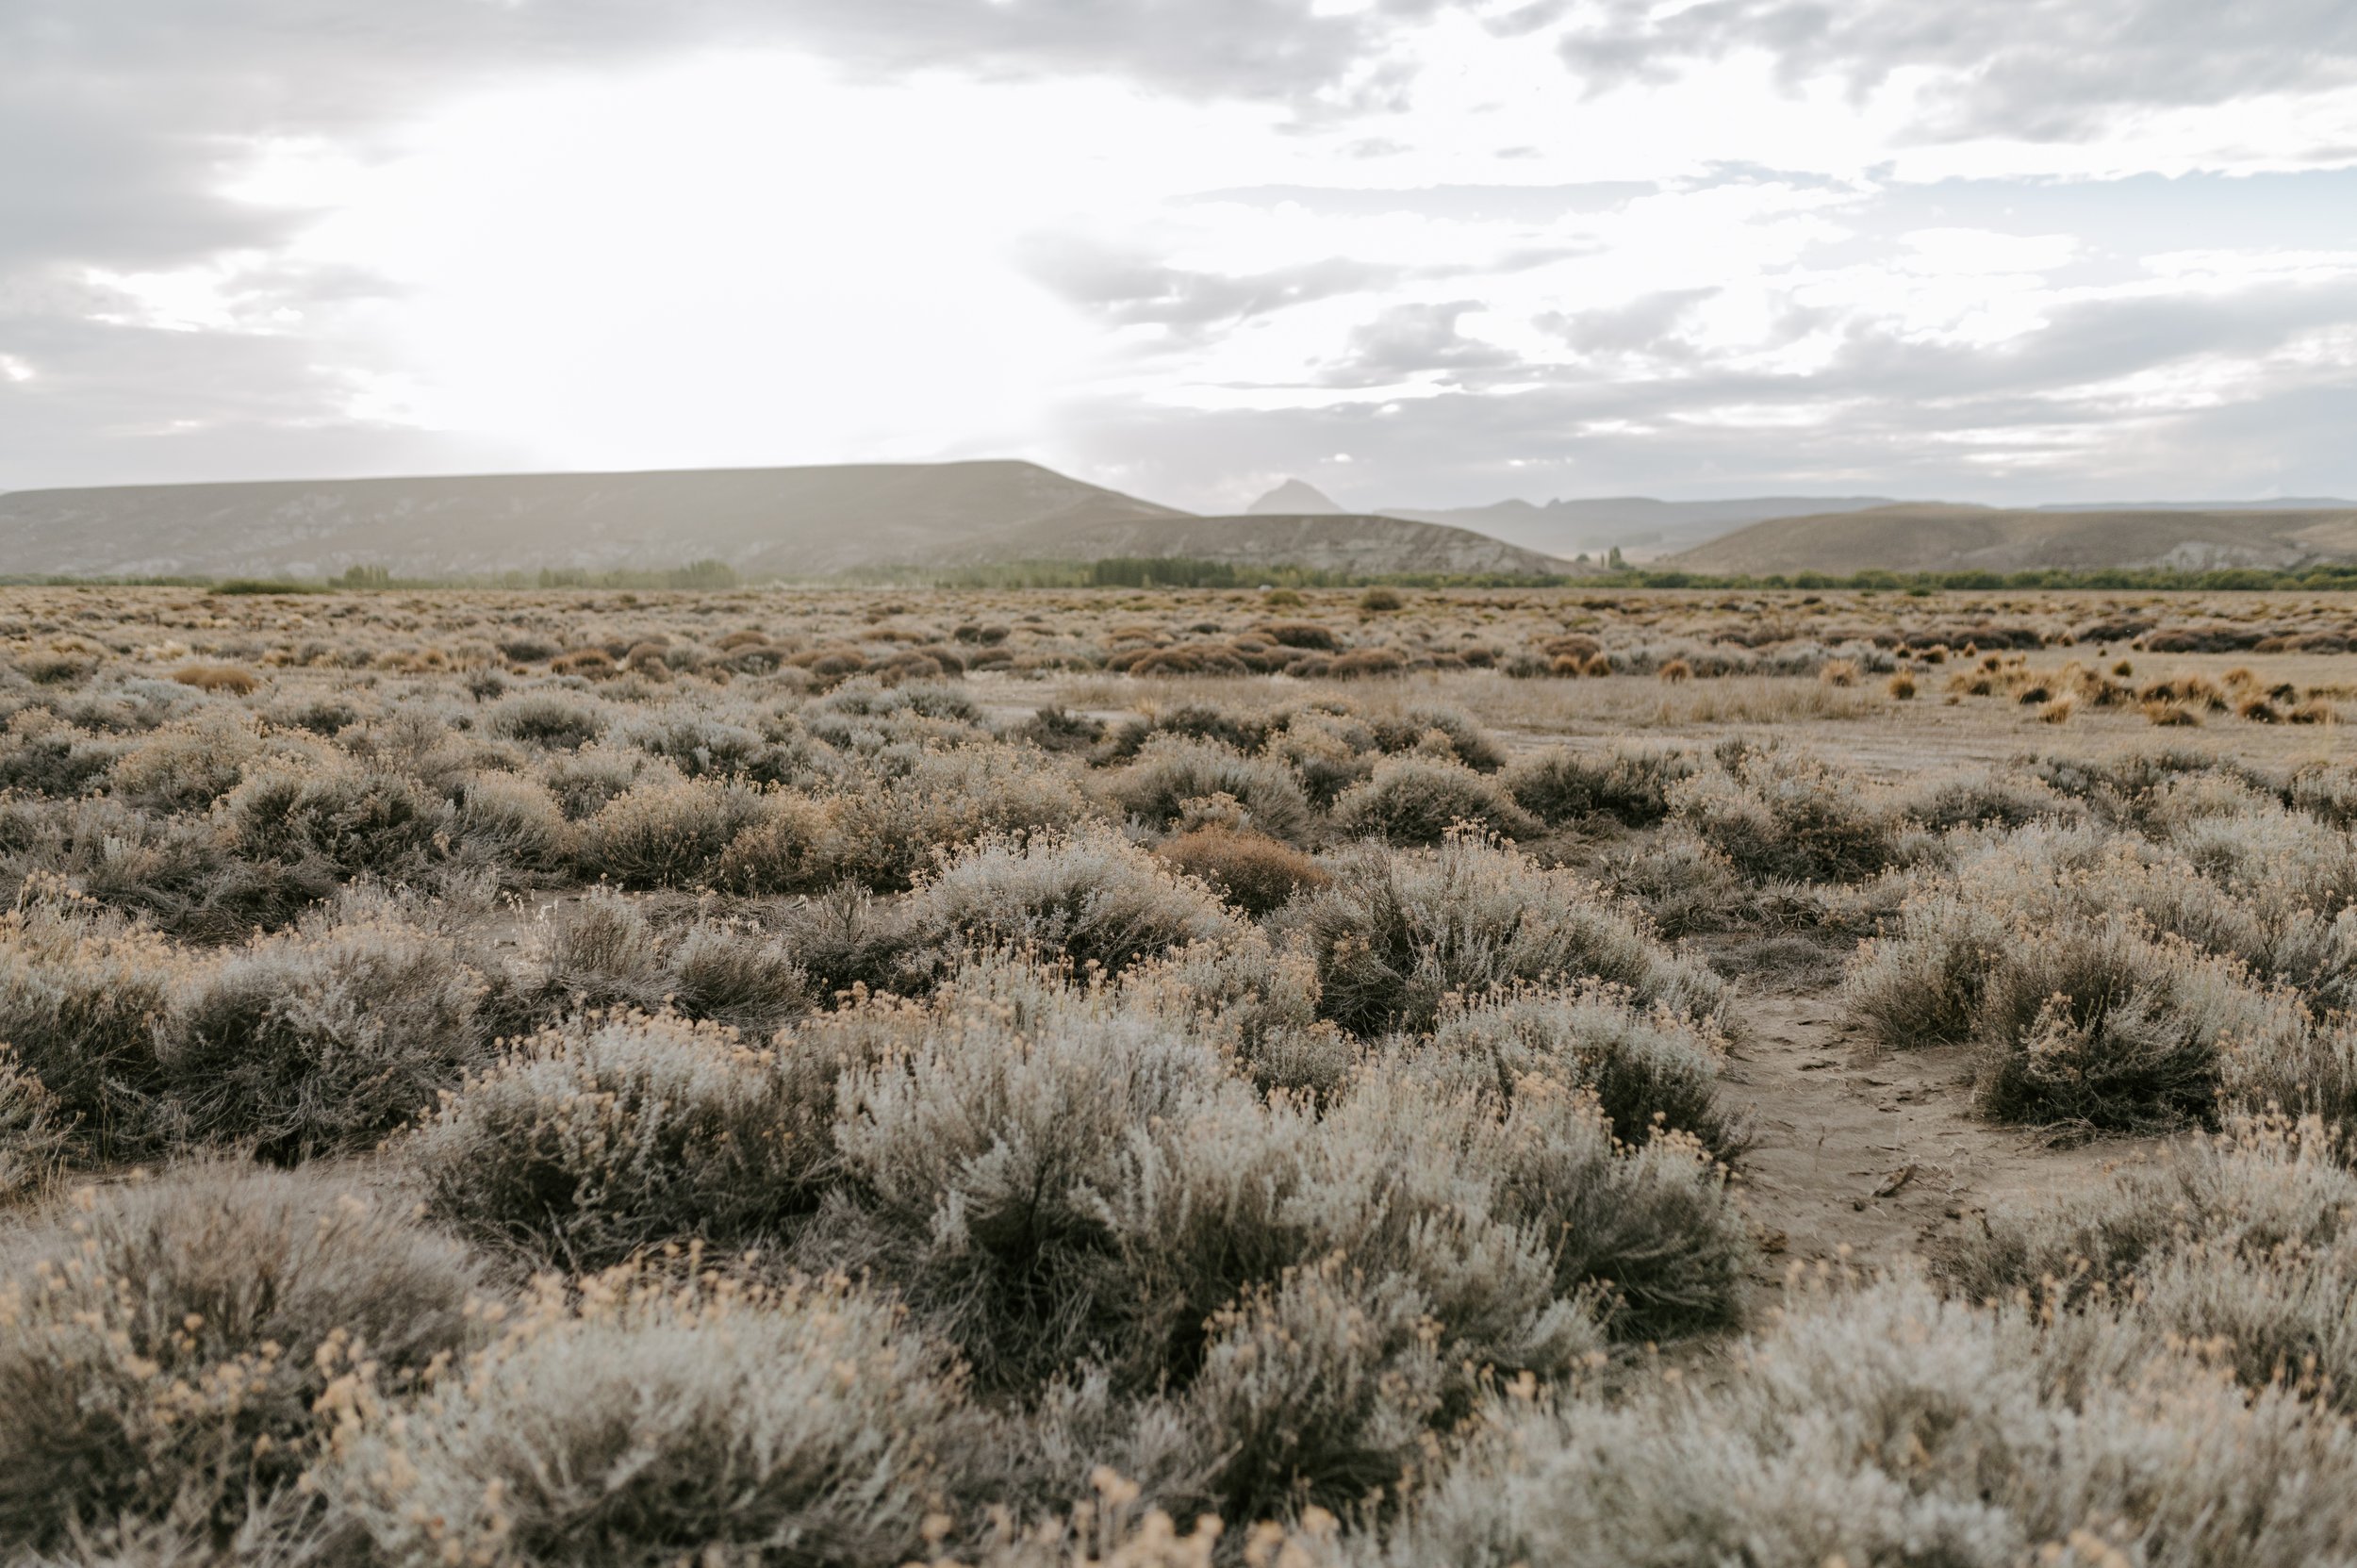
column 1350, row 542
column 1921, row 537
column 1638, row 524
column 792, row 520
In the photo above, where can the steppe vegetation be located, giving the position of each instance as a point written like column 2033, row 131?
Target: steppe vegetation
column 1154, row 1078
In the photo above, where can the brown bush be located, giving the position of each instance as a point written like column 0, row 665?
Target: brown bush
column 1367, row 661
column 218, row 676
column 594, row 662
column 1677, row 670
column 1251, row 871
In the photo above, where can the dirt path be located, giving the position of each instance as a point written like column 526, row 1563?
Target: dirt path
column 1879, row 1151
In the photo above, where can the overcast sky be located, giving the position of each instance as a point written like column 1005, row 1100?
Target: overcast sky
column 1414, row 252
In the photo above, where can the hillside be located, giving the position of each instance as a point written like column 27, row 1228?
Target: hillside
column 788, row 520
column 1924, row 536
column 1636, row 524
column 1348, row 542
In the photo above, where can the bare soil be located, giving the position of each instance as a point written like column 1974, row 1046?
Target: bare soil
column 1867, row 1156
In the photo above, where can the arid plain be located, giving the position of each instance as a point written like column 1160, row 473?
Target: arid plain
column 1400, row 1076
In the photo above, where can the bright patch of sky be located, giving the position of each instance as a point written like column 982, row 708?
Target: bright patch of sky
column 1485, row 250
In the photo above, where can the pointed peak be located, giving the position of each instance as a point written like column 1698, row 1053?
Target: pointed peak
column 1295, row 498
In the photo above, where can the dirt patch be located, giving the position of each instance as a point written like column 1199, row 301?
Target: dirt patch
column 1874, row 1155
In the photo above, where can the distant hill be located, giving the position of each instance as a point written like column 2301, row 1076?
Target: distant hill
column 1352, row 542
column 1295, row 498
column 794, row 520
column 1930, row 536
column 1636, row 524
column 786, row 521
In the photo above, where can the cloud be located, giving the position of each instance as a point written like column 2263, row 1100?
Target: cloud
column 1406, row 341
column 2029, row 69
column 1645, row 325
column 1642, row 313
column 1132, row 287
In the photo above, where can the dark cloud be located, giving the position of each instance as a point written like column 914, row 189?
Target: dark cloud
column 2042, row 68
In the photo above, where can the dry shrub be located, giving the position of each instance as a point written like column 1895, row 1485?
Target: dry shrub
column 1319, row 1392
column 1784, row 815
column 1092, row 898
column 177, row 1352
column 187, row 768
column 884, row 832
column 593, row 664
column 1251, row 871
column 1360, row 663
column 807, row 1424
column 794, row 846
column 226, row 678
column 1900, row 686
column 1396, row 932
column 1418, row 799
column 1442, row 733
column 584, row 781
column 1884, row 1425
column 1682, row 883
column 1055, row 1174
column 1838, row 672
column 552, row 718
column 512, row 823
column 671, row 832
column 1674, row 671
column 81, row 996
column 1650, row 1072
column 609, row 1135
column 350, row 819
column 2110, row 1027
column 1171, row 771
column 1629, row 786
column 324, row 1039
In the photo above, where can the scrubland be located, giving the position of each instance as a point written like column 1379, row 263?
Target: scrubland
column 1484, row 1077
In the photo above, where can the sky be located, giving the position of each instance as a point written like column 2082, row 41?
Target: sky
column 1417, row 252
